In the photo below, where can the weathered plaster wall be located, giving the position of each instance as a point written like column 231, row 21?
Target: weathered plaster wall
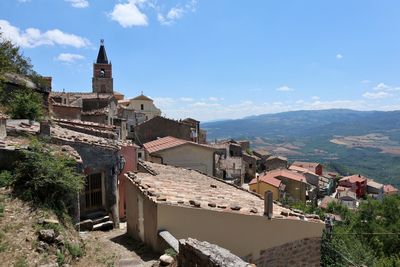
column 244, row 235
column 129, row 154
column 190, row 156
column 149, row 220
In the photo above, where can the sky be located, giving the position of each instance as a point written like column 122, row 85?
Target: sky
column 219, row 59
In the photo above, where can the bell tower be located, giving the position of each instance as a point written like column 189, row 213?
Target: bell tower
column 102, row 81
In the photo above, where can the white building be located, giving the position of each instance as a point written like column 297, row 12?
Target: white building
column 145, row 105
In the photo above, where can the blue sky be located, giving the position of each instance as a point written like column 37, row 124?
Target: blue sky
column 211, row 59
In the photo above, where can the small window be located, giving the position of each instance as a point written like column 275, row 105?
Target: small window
column 139, row 155
column 250, row 165
column 141, row 106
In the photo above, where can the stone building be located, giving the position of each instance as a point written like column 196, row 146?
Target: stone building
column 314, row 167
column 187, row 204
column 102, row 81
column 229, row 164
column 132, row 118
column 101, row 163
column 276, row 162
column 159, row 127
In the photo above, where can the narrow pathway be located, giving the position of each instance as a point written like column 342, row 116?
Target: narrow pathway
column 115, row 248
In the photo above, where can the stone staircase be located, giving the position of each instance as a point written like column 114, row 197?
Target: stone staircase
column 96, row 221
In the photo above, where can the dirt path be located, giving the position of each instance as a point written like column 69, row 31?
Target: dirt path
column 115, row 248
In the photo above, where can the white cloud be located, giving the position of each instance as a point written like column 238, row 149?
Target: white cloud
column 164, row 102
column 186, row 99
column 284, row 88
column 78, row 3
column 176, row 12
column 339, row 56
column 315, row 97
column 33, row 37
column 69, row 58
column 128, row 14
column 365, row 81
column 385, row 88
column 377, row 95
column 214, row 99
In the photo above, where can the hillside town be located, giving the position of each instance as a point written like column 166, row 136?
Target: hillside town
column 208, row 201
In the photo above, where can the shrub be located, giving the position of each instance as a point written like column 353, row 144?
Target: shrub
column 46, row 179
column 74, row 250
column 6, row 178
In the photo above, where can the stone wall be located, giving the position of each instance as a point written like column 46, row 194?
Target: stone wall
column 305, row 252
column 200, row 253
column 66, row 112
column 161, row 127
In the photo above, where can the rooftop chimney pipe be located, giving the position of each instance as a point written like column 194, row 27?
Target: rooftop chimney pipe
column 268, row 204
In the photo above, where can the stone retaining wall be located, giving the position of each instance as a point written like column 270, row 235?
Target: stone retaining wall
column 305, row 252
column 200, row 253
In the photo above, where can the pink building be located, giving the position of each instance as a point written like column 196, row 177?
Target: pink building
column 129, row 154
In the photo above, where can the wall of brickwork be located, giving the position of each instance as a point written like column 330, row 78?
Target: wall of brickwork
column 305, row 252
column 67, row 112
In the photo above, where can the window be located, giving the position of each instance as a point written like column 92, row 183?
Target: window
column 139, row 155
column 250, row 165
column 141, row 106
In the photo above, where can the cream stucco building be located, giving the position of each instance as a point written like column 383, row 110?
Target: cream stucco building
column 177, row 152
column 145, row 105
column 187, row 203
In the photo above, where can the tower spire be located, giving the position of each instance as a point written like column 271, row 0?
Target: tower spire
column 102, row 56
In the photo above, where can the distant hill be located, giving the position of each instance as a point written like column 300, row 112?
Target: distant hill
column 367, row 142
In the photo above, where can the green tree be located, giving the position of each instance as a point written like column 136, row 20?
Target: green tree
column 25, row 104
column 12, row 59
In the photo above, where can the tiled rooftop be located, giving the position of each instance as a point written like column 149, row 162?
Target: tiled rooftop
column 82, row 95
column 189, row 188
column 73, row 136
column 166, row 143
column 301, row 169
column 306, row 164
column 292, row 175
column 267, row 179
column 387, row 188
column 354, row 178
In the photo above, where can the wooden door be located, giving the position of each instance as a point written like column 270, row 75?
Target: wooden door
column 93, row 192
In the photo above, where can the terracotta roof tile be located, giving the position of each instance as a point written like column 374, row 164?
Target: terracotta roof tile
column 166, row 143
column 354, row 178
column 387, row 188
column 183, row 187
column 267, row 179
column 306, row 165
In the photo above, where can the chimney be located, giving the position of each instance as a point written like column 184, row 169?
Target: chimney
column 268, row 204
column 44, row 128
